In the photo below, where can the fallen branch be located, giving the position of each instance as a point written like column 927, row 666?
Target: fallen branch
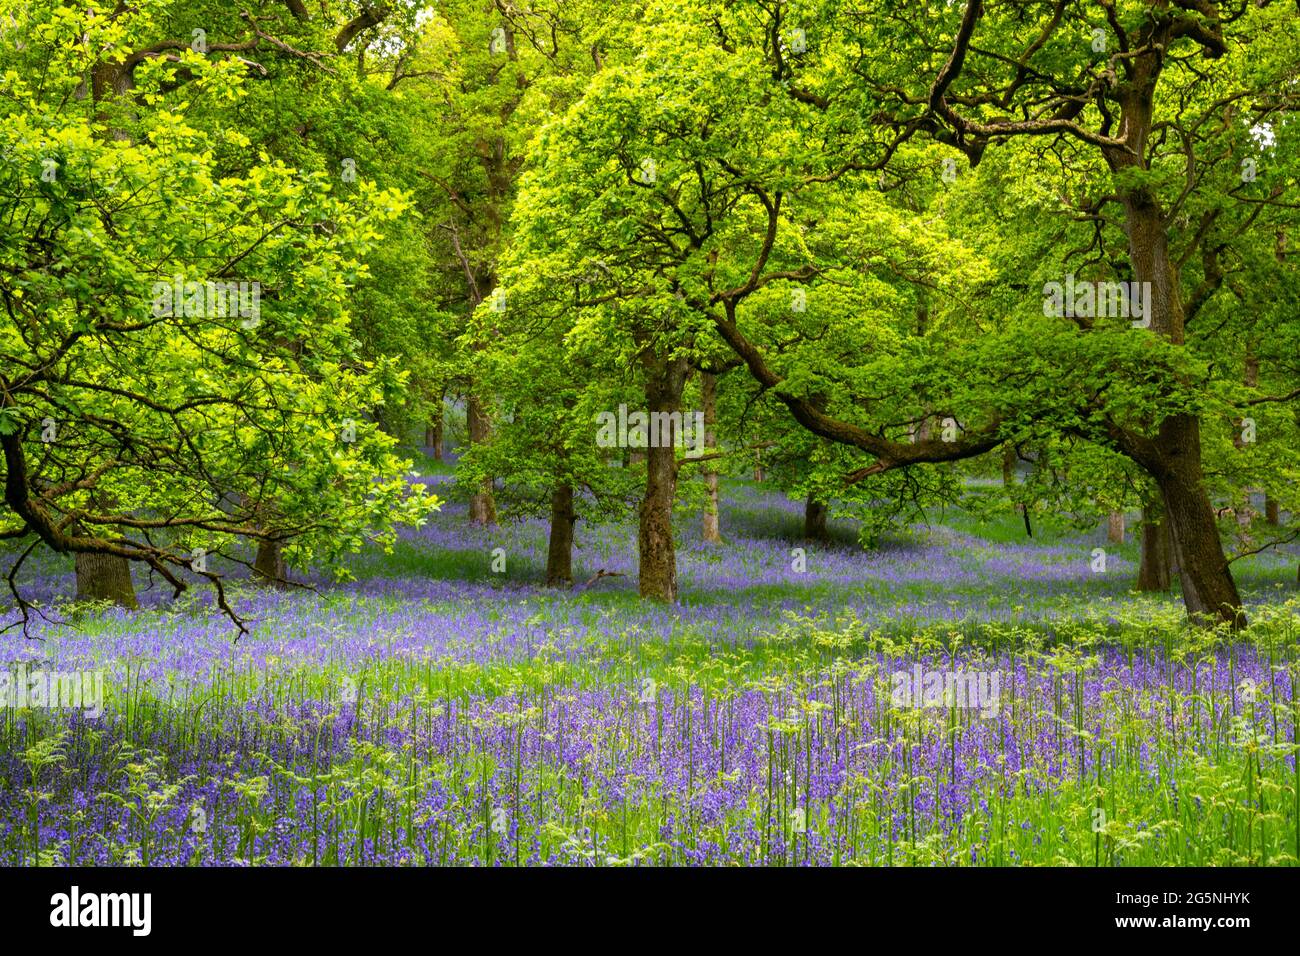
column 602, row 573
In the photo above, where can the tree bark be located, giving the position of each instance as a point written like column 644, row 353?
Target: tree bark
column 1272, row 513
column 1209, row 592
column 709, row 399
column 105, row 577
column 433, row 435
column 1115, row 527
column 1242, row 507
column 268, row 565
column 482, row 504
column 559, row 552
column 814, row 519
column 1154, row 567
column 1009, row 481
column 1173, row 457
column 665, row 380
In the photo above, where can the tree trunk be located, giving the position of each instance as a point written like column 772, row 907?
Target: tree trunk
column 559, row 553
column 665, row 380
column 814, row 519
column 1272, row 513
column 268, row 566
column 1209, row 592
column 1173, row 458
column 433, row 436
column 1115, row 527
column 1156, row 551
column 105, row 577
column 1242, row 506
column 1009, row 481
column 709, row 399
column 482, row 505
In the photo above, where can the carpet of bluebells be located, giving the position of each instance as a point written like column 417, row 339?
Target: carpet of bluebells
column 431, row 711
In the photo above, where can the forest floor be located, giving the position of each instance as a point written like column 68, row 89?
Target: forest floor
column 960, row 694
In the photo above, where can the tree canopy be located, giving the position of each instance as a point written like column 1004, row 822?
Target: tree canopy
column 248, row 255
